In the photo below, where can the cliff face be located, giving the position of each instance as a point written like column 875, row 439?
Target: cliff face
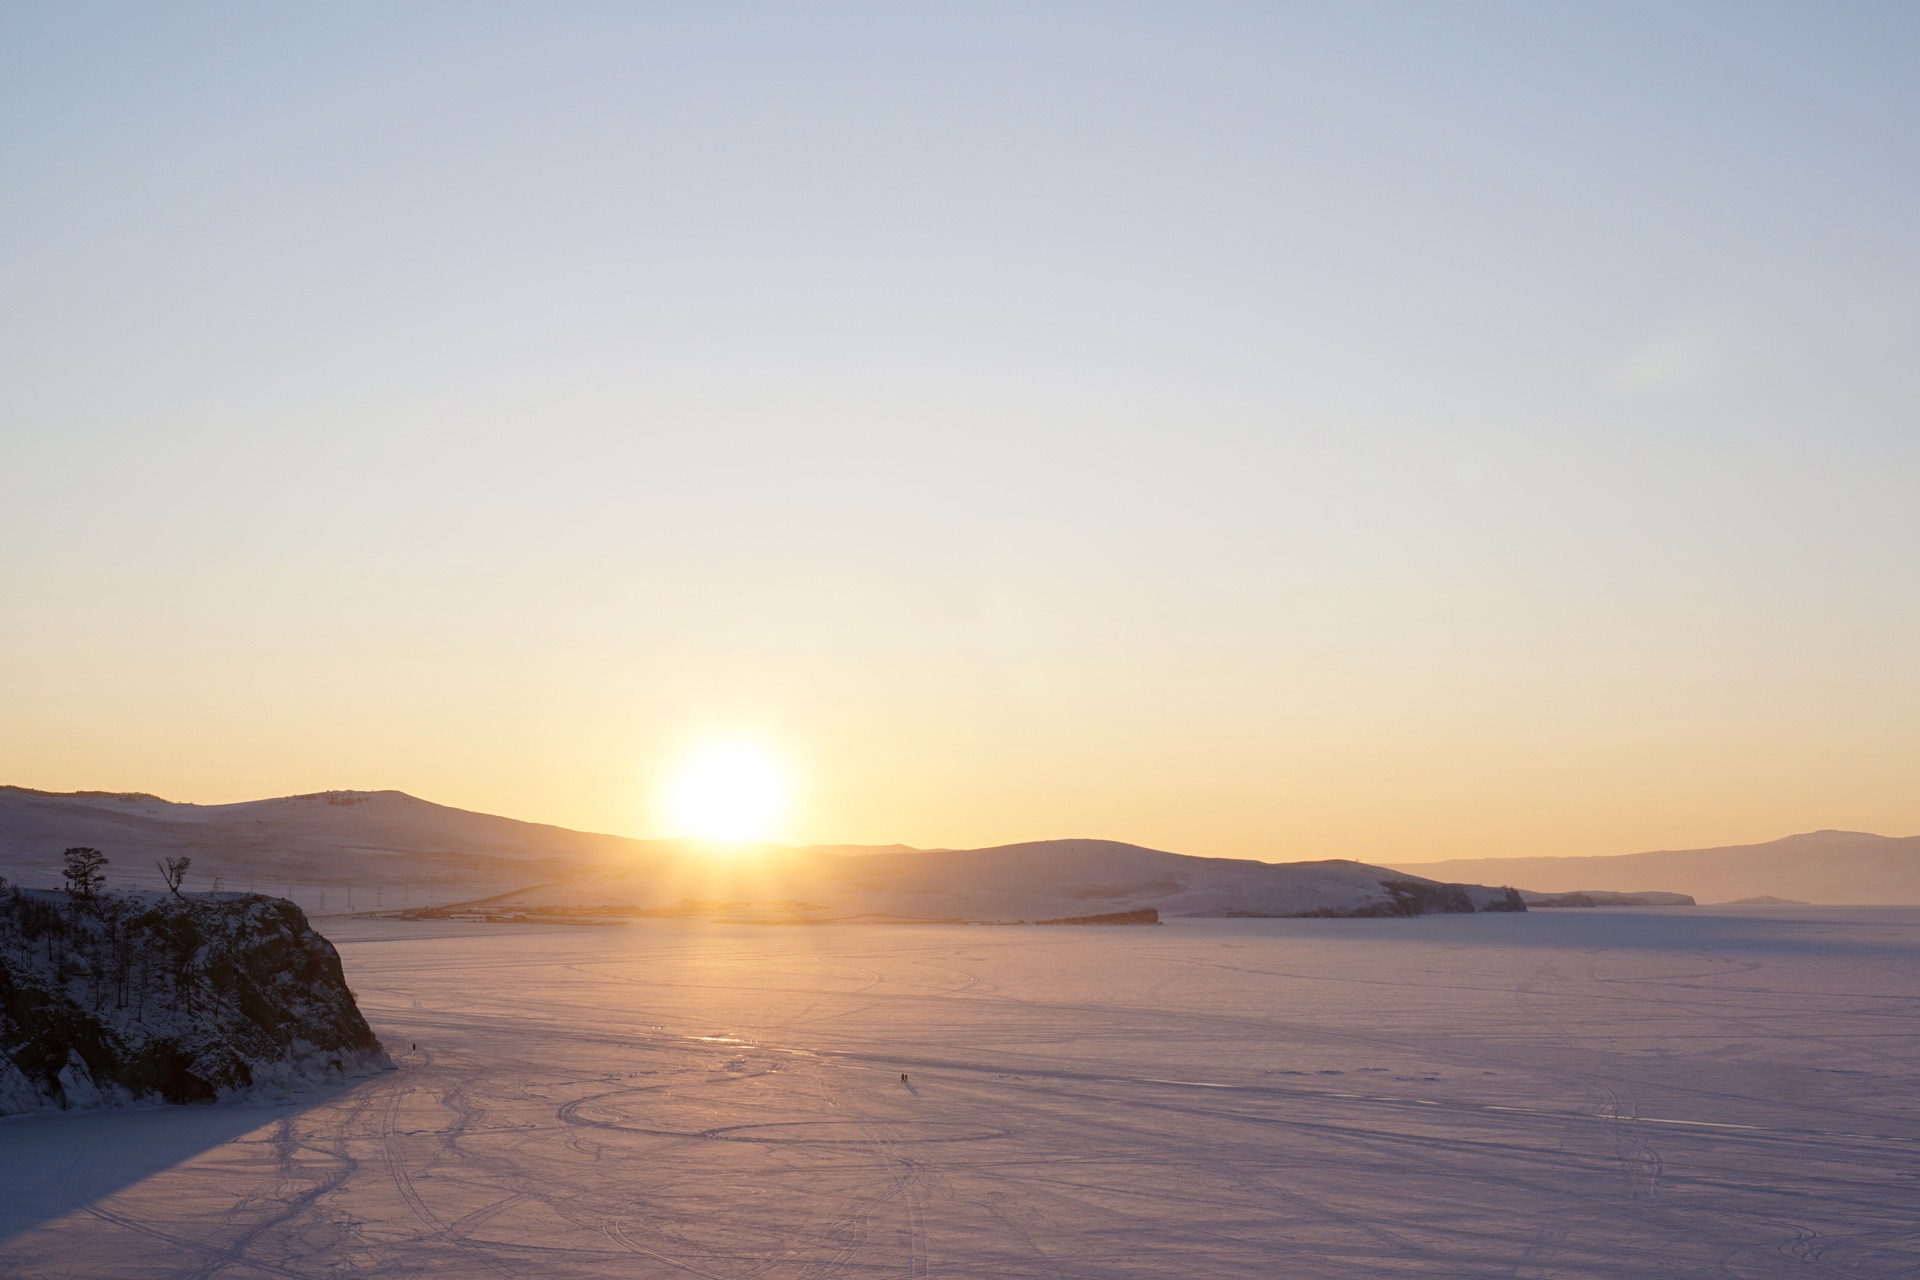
column 184, row 998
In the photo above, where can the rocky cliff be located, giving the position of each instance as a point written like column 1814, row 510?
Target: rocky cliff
column 133, row 997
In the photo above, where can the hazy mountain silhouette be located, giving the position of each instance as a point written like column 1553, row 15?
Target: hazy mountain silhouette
column 1818, row 866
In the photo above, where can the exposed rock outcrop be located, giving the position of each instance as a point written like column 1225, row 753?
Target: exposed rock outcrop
column 1145, row 915
column 1606, row 898
column 184, row 998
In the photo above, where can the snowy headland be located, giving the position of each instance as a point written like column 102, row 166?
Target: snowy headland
column 120, row 998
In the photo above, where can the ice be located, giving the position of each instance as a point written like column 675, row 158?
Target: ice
column 1619, row 1094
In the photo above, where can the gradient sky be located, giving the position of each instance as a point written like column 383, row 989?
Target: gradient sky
column 1366, row 430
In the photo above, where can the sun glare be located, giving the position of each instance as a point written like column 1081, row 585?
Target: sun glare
column 728, row 792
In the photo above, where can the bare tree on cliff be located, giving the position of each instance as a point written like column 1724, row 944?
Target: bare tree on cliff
column 81, row 867
column 173, row 871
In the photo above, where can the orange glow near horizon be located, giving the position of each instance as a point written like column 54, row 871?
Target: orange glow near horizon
column 1009, row 426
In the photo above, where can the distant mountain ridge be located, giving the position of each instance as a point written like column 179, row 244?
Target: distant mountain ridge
column 1839, row 867
column 334, row 850
column 405, row 850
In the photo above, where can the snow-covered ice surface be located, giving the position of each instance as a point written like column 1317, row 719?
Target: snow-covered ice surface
column 1619, row 1094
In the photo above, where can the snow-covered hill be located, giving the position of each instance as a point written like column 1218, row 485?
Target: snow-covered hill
column 385, row 850
column 329, row 851
column 1046, row 879
column 305, row 844
column 149, row 996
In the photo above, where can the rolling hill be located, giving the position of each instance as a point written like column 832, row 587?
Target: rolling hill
column 1047, row 879
column 305, row 846
column 358, row 850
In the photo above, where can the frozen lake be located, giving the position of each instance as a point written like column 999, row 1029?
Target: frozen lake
column 1586, row 1093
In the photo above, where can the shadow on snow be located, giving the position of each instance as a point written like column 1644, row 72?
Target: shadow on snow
column 56, row 1163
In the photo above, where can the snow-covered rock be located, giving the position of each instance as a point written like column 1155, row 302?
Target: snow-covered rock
column 184, row 998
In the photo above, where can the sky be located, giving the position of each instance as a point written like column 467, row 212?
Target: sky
column 1390, row 431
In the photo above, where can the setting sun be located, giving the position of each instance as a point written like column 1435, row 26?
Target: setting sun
column 728, row 792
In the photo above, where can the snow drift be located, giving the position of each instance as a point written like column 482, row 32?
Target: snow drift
column 133, row 997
